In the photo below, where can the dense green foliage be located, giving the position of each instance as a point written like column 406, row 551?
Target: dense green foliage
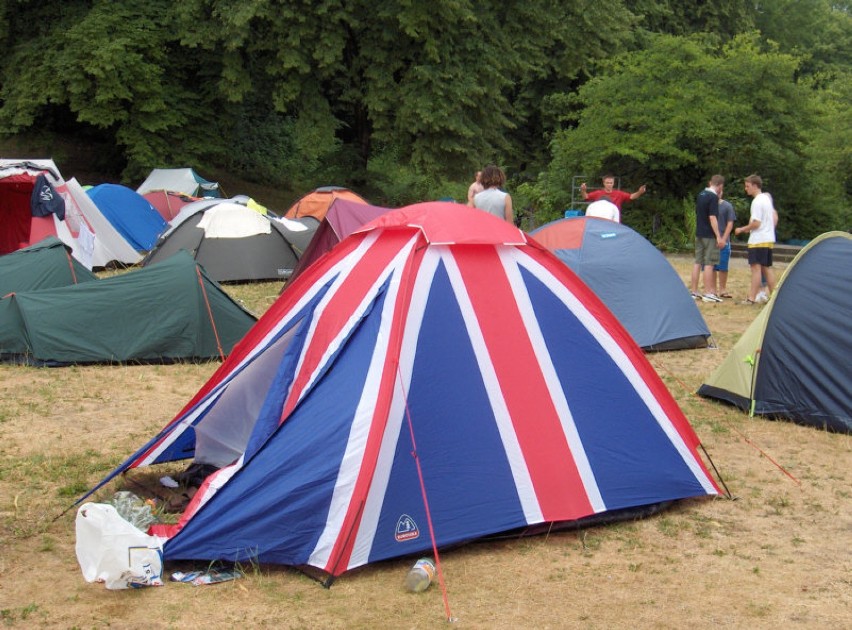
column 402, row 100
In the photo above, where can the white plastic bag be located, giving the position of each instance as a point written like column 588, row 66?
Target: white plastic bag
column 112, row 551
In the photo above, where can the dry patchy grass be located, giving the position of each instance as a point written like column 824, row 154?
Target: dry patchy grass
column 776, row 556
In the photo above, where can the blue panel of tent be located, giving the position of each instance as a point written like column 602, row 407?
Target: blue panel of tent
column 130, row 213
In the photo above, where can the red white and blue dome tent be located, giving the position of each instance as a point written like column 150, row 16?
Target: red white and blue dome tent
column 436, row 331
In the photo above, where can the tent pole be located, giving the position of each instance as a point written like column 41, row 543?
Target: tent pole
column 425, row 501
column 716, row 470
column 209, row 313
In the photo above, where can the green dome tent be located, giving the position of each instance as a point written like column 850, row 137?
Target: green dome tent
column 166, row 312
column 795, row 360
column 44, row 265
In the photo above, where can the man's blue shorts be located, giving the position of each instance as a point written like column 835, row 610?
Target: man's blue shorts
column 724, row 257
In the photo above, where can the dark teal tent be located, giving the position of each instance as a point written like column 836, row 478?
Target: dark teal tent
column 44, row 265
column 162, row 313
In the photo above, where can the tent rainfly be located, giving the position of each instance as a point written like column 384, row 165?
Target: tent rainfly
column 180, row 180
column 235, row 243
column 317, row 202
column 438, row 353
column 45, row 265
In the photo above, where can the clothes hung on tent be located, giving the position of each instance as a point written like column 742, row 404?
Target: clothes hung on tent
column 36, row 202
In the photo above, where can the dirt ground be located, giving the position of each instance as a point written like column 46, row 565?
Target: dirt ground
column 776, row 556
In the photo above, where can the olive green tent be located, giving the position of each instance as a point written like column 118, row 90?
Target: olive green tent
column 166, row 312
column 44, row 265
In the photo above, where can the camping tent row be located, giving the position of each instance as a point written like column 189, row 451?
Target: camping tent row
column 162, row 313
column 36, row 202
column 384, row 375
column 795, row 359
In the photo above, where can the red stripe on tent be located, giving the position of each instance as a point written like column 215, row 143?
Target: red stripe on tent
column 345, row 542
column 562, row 234
column 632, row 351
column 258, row 332
column 349, row 294
column 546, row 451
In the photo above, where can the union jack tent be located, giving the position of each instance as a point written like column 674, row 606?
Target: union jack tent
column 437, row 357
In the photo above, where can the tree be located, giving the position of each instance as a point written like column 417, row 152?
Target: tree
column 116, row 66
column 445, row 85
column 683, row 109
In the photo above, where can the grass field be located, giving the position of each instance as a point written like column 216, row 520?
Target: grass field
column 777, row 556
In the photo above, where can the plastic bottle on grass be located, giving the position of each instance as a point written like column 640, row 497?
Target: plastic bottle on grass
column 420, row 575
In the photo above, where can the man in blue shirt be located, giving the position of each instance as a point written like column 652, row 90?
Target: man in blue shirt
column 708, row 239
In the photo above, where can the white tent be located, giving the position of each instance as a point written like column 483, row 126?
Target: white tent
column 182, row 180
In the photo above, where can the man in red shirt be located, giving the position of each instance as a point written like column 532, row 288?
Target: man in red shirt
column 618, row 197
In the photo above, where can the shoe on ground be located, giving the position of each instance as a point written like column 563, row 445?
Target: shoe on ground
column 710, row 297
column 761, row 298
column 695, row 296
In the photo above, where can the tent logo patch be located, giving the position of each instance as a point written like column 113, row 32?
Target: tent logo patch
column 406, row 529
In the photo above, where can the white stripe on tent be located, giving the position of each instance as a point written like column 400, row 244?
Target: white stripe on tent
column 353, row 462
column 620, row 358
column 259, row 348
column 397, row 413
column 351, row 322
column 509, row 257
column 514, row 454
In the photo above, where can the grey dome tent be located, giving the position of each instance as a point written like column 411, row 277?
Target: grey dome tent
column 632, row 278
column 795, row 359
column 235, row 243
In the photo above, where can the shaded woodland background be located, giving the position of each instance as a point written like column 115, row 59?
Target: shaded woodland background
column 404, row 101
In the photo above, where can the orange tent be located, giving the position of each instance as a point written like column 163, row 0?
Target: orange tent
column 316, row 203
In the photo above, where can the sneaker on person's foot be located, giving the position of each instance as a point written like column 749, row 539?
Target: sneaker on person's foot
column 761, row 297
column 710, row 297
column 695, row 296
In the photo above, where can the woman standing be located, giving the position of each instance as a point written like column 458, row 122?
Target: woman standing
column 492, row 199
